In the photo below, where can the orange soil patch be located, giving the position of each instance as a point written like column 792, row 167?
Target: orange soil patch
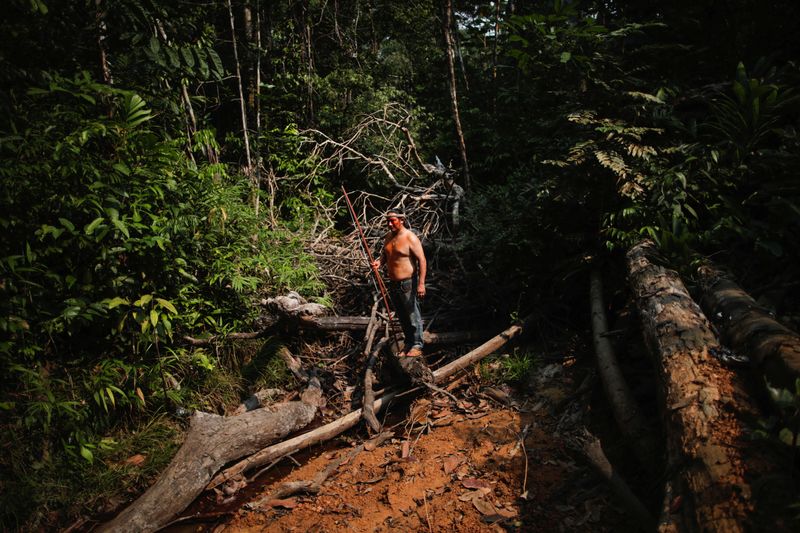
column 447, row 471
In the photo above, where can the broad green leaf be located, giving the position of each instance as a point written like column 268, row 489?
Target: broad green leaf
column 89, row 229
column 565, row 56
column 144, row 300
column 153, row 317
column 219, row 69
column 116, row 302
column 67, row 224
column 86, row 453
column 188, row 58
column 166, row 304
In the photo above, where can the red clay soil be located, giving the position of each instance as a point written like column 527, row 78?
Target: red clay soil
column 450, row 467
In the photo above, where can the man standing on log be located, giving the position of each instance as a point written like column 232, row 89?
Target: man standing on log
column 405, row 260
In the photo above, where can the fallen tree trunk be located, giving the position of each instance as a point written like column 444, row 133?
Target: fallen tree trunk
column 488, row 347
column 337, row 427
column 749, row 329
column 212, row 441
column 626, row 412
column 306, row 440
column 702, row 401
column 360, row 323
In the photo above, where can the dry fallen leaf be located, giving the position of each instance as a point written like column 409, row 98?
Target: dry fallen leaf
column 470, row 495
column 451, row 462
column 472, row 483
column 486, row 508
column 506, row 512
column 135, row 460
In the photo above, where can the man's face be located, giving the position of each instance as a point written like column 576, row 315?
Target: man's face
column 394, row 223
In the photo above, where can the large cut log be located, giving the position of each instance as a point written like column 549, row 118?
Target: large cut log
column 703, row 403
column 750, row 329
column 626, row 412
column 212, row 441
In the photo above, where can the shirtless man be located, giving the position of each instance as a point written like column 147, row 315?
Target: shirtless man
column 405, row 260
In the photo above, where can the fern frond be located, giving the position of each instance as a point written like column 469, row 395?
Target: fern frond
column 612, row 161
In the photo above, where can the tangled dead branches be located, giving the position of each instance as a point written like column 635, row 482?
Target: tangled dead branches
column 382, row 144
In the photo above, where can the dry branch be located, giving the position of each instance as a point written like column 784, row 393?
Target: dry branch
column 592, row 451
column 313, row 486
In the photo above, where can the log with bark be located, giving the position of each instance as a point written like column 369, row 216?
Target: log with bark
column 702, row 402
column 750, row 329
column 212, row 441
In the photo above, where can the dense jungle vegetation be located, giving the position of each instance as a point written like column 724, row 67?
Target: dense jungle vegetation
column 159, row 176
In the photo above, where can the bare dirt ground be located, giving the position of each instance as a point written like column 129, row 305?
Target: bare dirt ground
column 477, row 464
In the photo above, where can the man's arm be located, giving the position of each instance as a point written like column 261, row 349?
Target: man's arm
column 381, row 260
column 419, row 254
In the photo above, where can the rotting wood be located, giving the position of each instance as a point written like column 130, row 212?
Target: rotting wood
column 750, row 329
column 292, row 363
column 212, row 441
column 702, row 401
column 342, row 323
column 626, row 411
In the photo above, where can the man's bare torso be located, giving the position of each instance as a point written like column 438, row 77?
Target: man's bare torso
column 399, row 261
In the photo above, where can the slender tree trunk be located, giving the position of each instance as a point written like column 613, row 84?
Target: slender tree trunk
column 243, row 109
column 495, row 45
column 102, row 45
column 448, row 38
column 626, row 412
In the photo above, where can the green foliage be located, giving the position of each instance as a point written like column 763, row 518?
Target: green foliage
column 513, row 368
column 115, row 244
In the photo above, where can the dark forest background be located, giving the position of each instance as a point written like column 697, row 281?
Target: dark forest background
column 158, row 175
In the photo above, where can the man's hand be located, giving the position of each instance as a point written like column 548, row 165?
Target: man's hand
column 376, row 264
column 421, row 290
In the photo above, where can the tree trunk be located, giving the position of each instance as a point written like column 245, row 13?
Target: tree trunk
column 447, row 27
column 749, row 329
column 626, row 412
column 703, row 402
column 243, row 109
column 212, row 442
column 102, row 36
